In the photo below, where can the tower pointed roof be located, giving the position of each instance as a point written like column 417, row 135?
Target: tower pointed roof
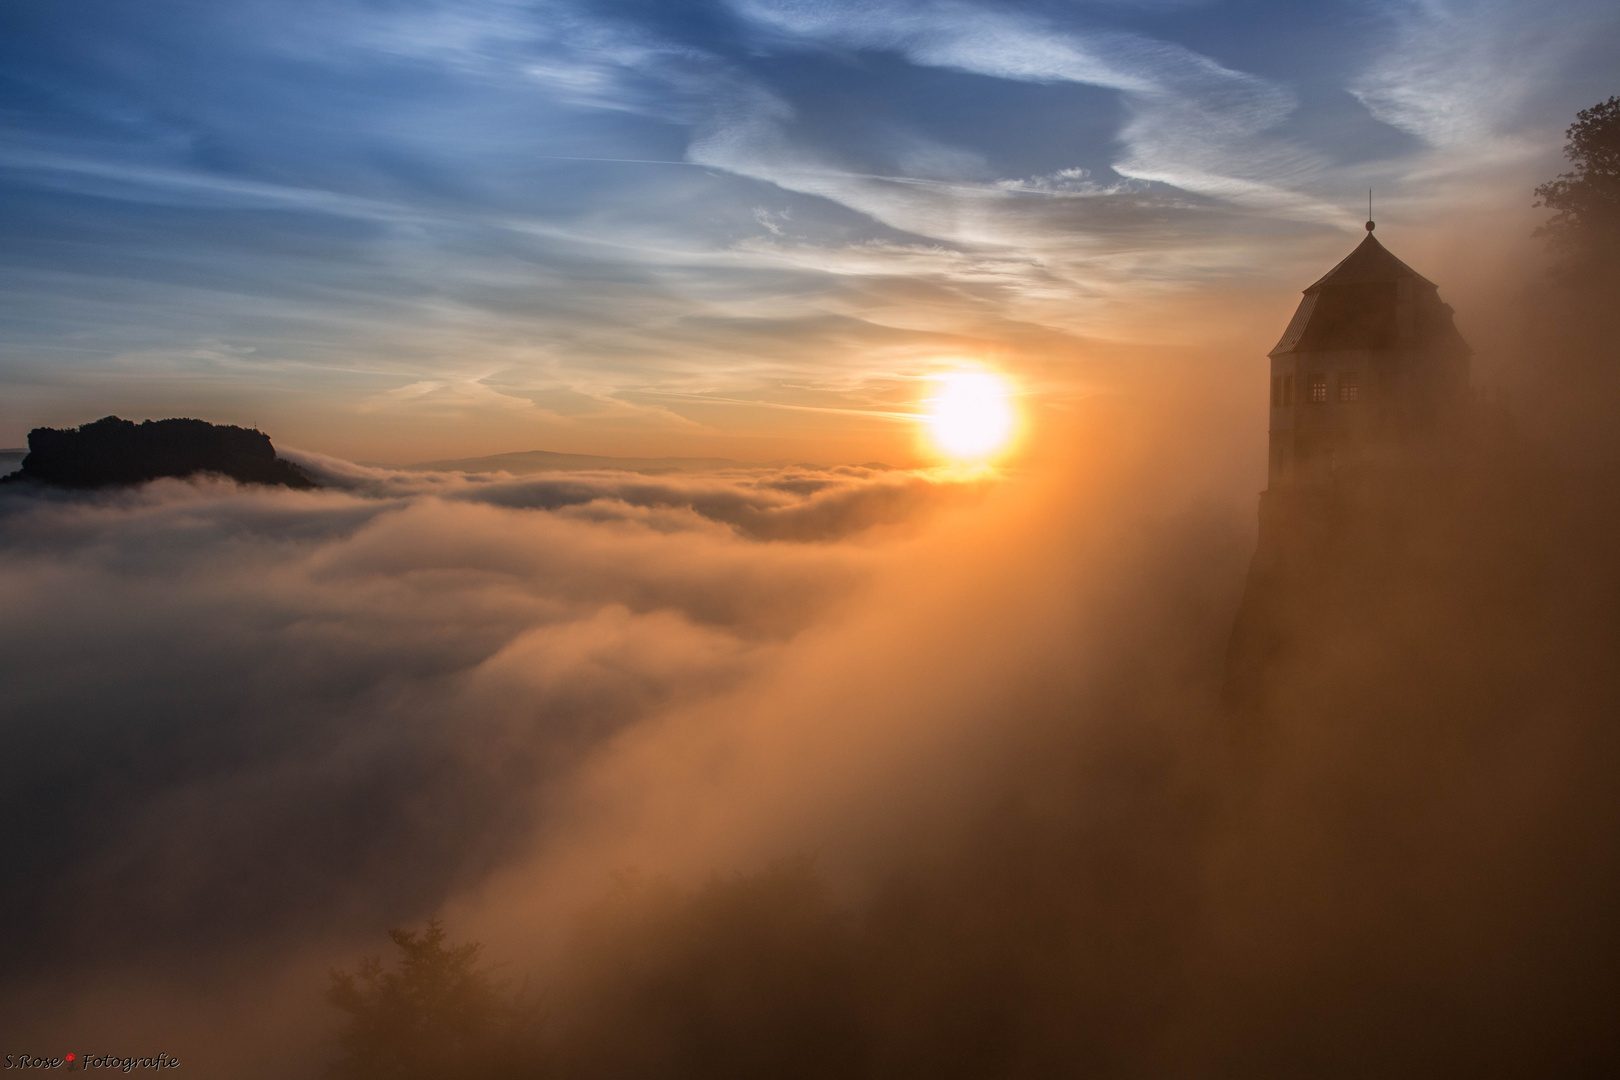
column 1371, row 261
column 1370, row 300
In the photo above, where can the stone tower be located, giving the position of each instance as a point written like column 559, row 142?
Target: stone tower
column 1370, row 363
column 1369, row 391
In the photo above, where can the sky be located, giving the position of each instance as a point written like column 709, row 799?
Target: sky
column 401, row 231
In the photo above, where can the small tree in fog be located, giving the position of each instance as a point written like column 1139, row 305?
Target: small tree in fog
column 439, row 1015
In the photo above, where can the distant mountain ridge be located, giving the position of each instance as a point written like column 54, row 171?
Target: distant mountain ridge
column 534, row 461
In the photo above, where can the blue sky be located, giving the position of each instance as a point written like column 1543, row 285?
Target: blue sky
column 408, row 230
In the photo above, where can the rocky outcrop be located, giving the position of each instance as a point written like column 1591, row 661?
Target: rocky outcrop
column 113, row 451
column 1376, row 590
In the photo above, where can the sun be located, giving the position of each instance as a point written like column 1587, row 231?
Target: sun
column 972, row 416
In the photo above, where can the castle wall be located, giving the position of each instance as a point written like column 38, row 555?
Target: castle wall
column 1330, row 408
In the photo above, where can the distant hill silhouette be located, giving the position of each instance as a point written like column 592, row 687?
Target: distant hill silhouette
column 535, row 461
column 115, row 451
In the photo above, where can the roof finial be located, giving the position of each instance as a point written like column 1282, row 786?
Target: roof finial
column 1370, row 223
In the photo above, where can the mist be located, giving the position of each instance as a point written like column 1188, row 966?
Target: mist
column 838, row 771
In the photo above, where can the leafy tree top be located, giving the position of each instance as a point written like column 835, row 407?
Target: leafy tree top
column 1588, row 197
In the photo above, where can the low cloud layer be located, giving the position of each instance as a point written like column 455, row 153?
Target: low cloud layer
column 224, row 691
column 260, row 725
column 974, row 725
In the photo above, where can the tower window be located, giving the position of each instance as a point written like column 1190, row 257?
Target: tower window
column 1349, row 386
column 1276, row 391
column 1288, row 390
column 1318, row 387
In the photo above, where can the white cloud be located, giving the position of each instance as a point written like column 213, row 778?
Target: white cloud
column 1459, row 74
column 1075, row 182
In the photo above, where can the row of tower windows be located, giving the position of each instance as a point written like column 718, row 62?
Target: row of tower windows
column 1316, row 388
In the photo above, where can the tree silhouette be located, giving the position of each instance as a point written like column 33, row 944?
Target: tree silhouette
column 1587, row 225
column 439, row 1015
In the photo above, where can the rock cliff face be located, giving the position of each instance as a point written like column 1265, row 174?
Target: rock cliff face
column 114, row 451
column 1418, row 582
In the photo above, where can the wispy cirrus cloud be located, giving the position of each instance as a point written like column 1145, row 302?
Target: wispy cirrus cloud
column 1462, row 74
column 1193, row 123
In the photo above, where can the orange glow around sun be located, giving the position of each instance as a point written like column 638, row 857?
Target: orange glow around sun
column 972, row 417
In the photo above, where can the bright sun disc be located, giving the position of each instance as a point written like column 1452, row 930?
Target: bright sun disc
column 972, row 417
